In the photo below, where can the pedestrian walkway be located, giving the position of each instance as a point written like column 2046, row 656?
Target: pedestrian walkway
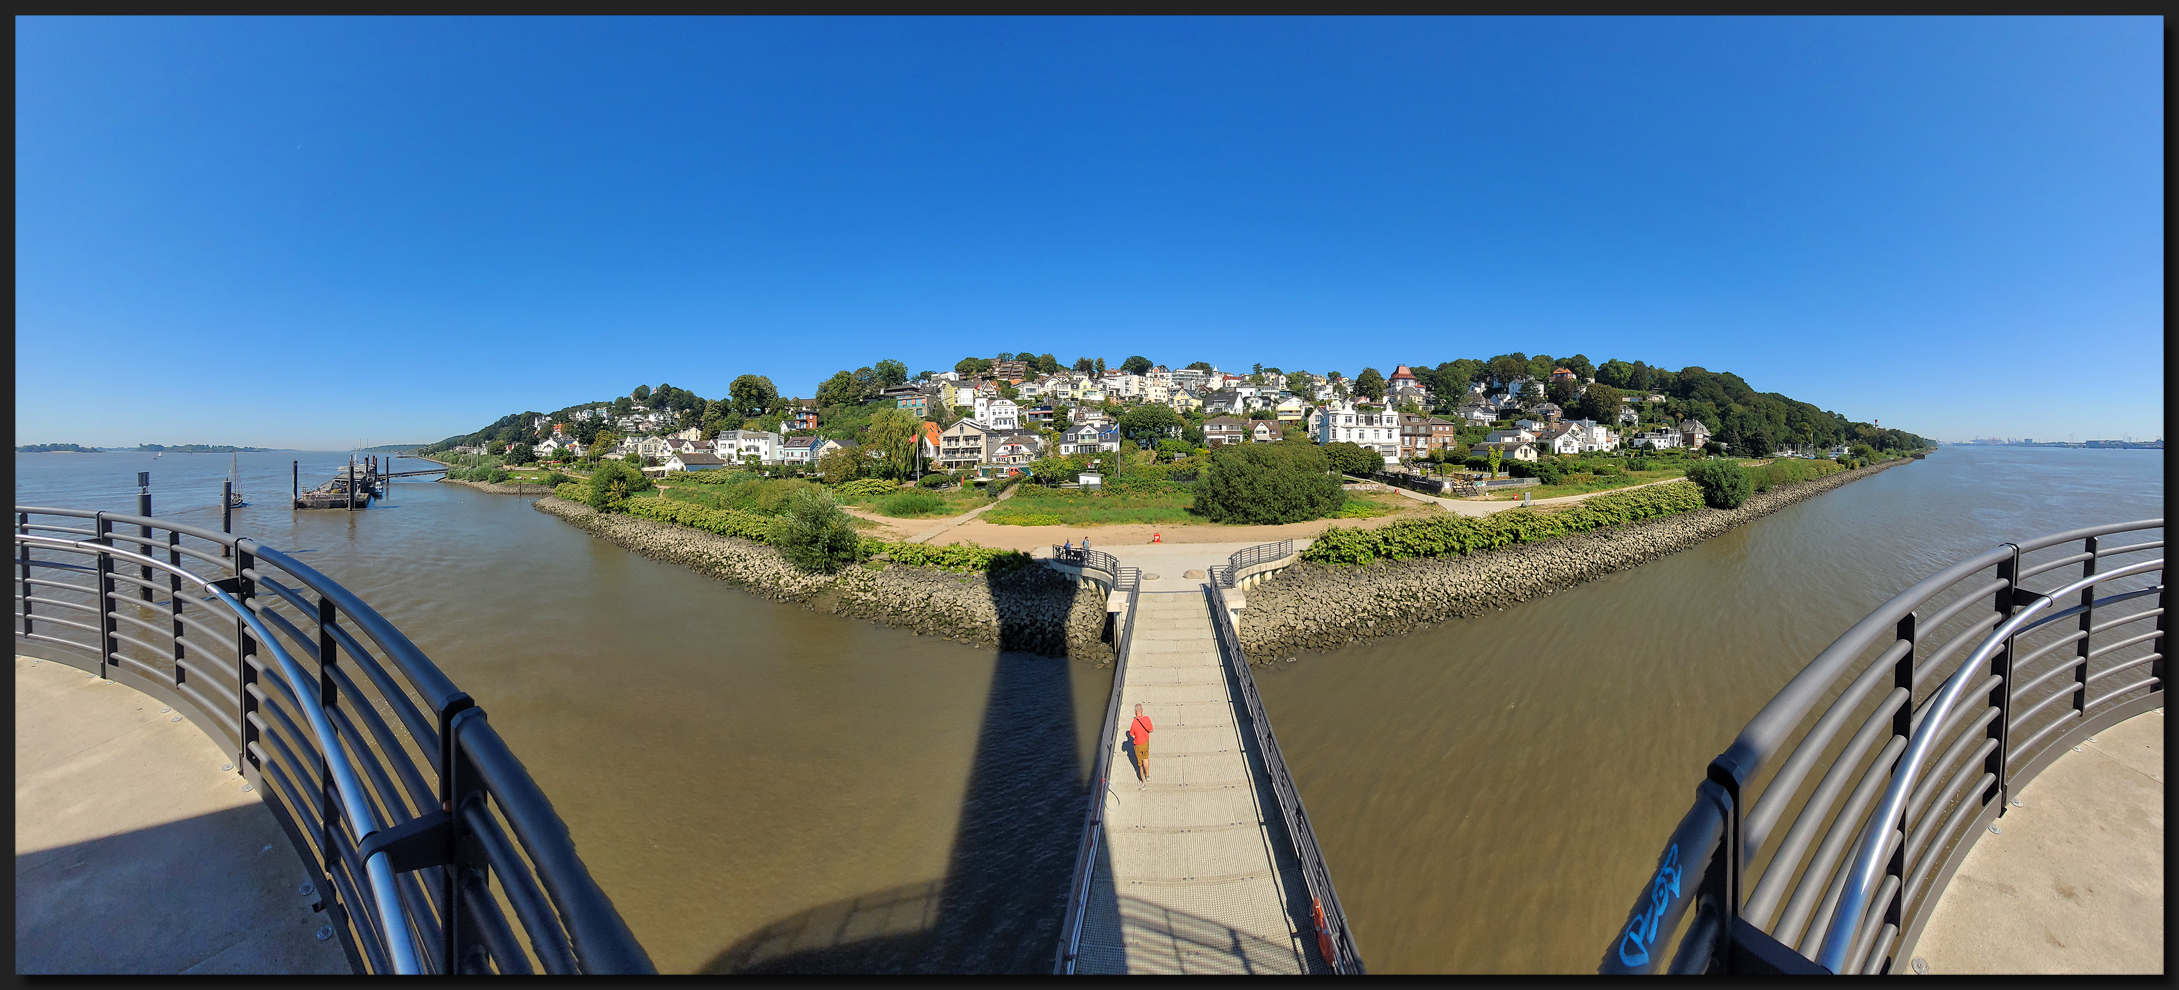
column 1463, row 507
column 1196, row 873
column 138, row 848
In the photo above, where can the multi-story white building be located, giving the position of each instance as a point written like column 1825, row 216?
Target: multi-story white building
column 737, row 446
column 998, row 414
column 1378, row 430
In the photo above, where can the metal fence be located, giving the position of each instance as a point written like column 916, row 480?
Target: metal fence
column 1261, row 553
column 1089, row 560
column 387, row 778
column 1958, row 691
column 1093, row 818
column 1334, row 939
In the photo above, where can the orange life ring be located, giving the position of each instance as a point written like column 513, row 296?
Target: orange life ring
column 1323, row 935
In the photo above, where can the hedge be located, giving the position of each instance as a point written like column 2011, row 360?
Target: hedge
column 1448, row 535
column 725, row 522
column 952, row 557
column 750, row 526
column 861, row 487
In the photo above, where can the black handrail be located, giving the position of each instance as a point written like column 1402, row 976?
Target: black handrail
column 1335, row 939
column 1093, row 817
column 398, row 849
column 1261, row 553
column 1089, row 560
column 1884, row 673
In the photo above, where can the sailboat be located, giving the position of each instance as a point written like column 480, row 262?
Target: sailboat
column 234, row 495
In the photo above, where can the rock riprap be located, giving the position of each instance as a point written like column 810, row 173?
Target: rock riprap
column 1313, row 606
column 1029, row 609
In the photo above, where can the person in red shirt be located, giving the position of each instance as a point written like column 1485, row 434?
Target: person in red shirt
column 1139, row 731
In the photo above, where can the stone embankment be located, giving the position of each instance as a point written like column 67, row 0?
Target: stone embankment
column 1031, row 609
column 1313, row 606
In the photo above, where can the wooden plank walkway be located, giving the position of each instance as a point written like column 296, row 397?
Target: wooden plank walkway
column 1196, row 874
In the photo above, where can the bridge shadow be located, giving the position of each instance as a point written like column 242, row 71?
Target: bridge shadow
column 999, row 906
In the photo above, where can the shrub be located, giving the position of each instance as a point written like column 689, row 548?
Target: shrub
column 814, row 534
column 612, row 483
column 952, row 557
column 725, row 522
column 865, row 487
column 1445, row 535
column 1264, row 483
column 911, row 503
column 1724, row 484
column 1639, row 464
column 1353, row 458
column 497, row 476
column 556, row 479
column 933, row 480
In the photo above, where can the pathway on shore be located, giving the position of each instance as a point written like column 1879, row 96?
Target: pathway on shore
column 953, row 521
column 1196, row 873
column 1463, row 507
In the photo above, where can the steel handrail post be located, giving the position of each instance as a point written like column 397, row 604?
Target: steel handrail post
column 2001, row 696
column 143, row 546
column 328, row 696
column 400, row 948
column 22, row 528
column 1861, row 877
column 174, row 601
column 2087, row 629
column 462, row 944
column 245, row 668
column 108, row 645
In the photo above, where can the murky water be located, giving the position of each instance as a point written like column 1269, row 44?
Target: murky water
column 760, row 787
column 1491, row 793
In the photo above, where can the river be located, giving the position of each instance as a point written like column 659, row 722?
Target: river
column 761, row 787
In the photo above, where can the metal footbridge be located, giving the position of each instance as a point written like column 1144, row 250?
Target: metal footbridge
column 1209, row 865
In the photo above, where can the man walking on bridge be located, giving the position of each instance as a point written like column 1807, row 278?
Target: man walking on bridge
column 1139, row 731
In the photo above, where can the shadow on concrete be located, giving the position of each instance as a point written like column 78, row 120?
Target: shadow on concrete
column 213, row 893
column 998, row 907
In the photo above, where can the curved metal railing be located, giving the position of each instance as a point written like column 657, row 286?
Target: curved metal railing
column 1261, row 553
column 1093, row 818
column 1933, row 759
column 1089, row 560
column 1335, row 940
column 393, row 785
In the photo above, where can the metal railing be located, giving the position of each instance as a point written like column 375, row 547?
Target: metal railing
column 1089, row 560
column 391, row 784
column 1959, row 690
column 1335, row 940
column 1261, row 553
column 1093, row 818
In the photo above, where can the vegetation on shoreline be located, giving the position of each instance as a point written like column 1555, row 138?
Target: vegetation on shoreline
column 54, row 448
column 1444, row 535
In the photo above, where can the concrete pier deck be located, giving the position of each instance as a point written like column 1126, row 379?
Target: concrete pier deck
column 136, row 853
column 2073, row 881
column 1196, row 873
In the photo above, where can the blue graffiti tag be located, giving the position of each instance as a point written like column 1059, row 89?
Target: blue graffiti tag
column 1642, row 931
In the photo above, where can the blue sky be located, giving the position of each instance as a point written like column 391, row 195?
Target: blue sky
column 1955, row 226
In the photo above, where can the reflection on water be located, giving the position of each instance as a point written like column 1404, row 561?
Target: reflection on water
column 1491, row 792
column 763, row 788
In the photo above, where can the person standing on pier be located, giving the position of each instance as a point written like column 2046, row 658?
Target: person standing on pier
column 1139, row 731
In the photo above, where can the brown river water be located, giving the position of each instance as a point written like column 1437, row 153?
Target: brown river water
column 761, row 787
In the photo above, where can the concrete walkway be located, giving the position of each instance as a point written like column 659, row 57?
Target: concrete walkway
column 136, row 853
column 1463, row 507
column 1173, row 566
column 2073, row 883
column 1196, row 873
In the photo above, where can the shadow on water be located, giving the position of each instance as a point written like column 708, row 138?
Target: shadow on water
column 999, row 905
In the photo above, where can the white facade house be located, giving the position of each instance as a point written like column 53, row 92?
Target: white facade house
column 1525, row 452
column 738, row 446
column 1340, row 422
column 693, row 461
column 998, row 414
column 1659, row 440
column 1515, row 435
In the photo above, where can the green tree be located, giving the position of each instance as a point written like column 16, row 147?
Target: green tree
column 1085, row 365
column 1353, row 458
column 1579, row 364
column 1147, row 424
column 967, row 366
column 1370, row 383
column 892, row 432
column 521, row 453
column 1600, row 402
column 1564, row 393
column 838, row 390
column 1615, row 373
column 814, row 534
column 623, row 406
column 1299, row 383
column 1268, row 483
column 1174, row 448
column 1506, row 367
column 753, row 395
column 642, row 393
column 1047, row 364
column 1497, row 456
column 891, row 373
column 1199, row 366
column 840, row 465
column 1135, row 364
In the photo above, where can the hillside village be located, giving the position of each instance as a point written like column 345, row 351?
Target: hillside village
column 1005, row 416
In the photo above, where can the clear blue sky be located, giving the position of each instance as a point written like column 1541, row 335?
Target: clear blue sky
column 1955, row 226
